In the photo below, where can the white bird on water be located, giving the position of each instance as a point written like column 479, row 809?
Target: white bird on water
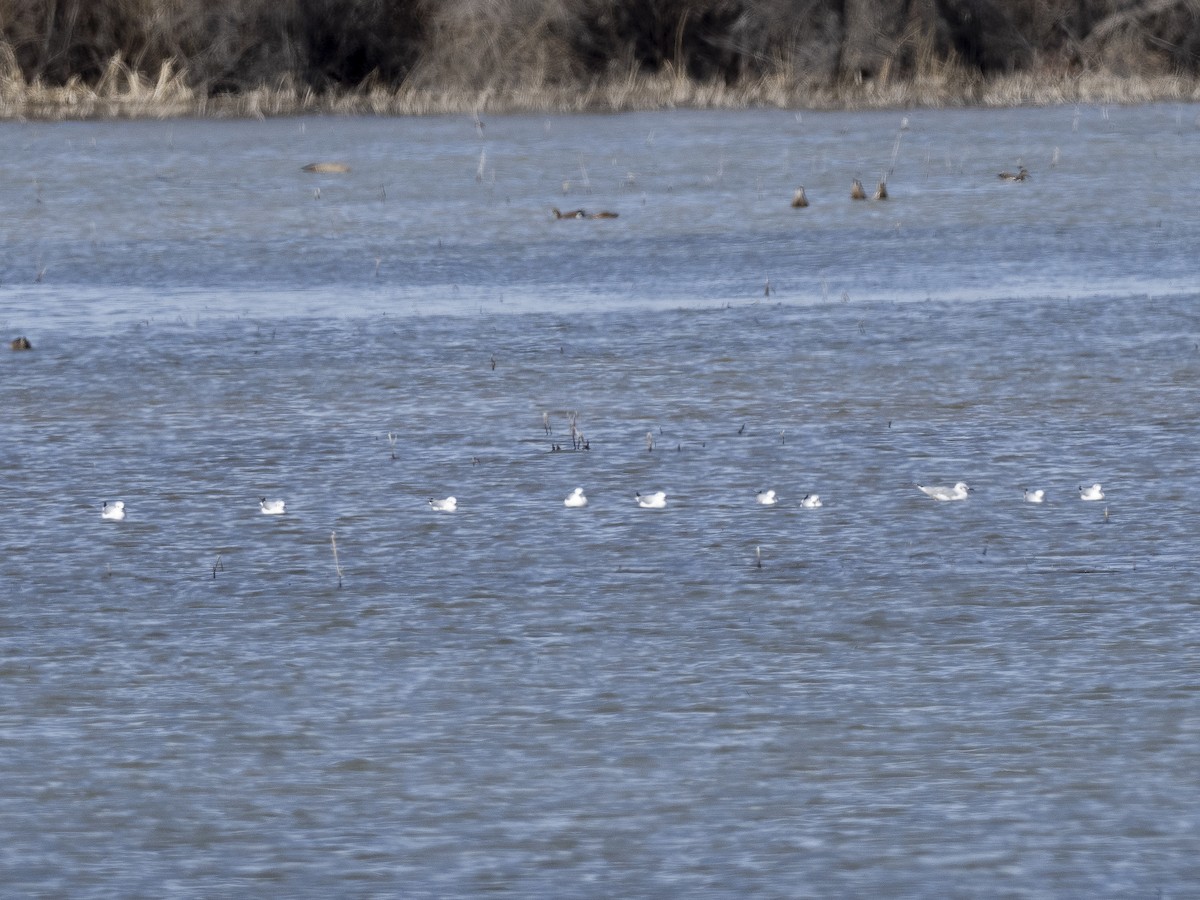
column 766, row 498
column 1092, row 493
column 448, row 505
column 114, row 511
column 811, row 501
column 272, row 507
column 576, row 499
column 657, row 500
column 942, row 493
column 1038, row 496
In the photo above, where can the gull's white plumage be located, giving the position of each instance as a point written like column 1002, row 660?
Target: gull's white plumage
column 657, row 500
column 942, row 493
column 272, row 507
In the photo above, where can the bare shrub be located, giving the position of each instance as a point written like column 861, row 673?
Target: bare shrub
column 730, row 40
column 480, row 45
column 345, row 42
column 220, row 43
column 1150, row 38
column 260, row 57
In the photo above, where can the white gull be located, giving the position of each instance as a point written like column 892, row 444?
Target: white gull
column 942, row 493
column 272, row 507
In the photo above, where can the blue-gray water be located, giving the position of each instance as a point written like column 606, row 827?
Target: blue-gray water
column 907, row 698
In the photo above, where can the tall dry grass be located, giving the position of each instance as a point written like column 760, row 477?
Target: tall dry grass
column 83, row 58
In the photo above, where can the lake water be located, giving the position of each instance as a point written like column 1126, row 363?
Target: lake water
column 887, row 696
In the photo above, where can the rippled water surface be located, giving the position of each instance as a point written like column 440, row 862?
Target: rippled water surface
column 887, row 696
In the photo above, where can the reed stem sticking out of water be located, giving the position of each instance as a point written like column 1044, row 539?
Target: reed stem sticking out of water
column 895, row 155
column 577, row 439
column 336, row 565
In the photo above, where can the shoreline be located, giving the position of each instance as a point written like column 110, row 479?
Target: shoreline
column 127, row 94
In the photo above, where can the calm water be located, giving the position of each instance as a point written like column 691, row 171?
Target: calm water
column 907, row 698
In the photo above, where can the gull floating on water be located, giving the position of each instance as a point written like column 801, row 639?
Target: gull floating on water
column 657, row 500
column 448, row 505
column 811, row 501
column 941, row 493
column 766, row 498
column 272, row 507
column 1038, row 496
column 1091, row 493
column 576, row 499
column 113, row 511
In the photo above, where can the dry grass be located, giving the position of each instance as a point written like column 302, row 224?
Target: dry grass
column 125, row 93
column 158, row 58
column 120, row 91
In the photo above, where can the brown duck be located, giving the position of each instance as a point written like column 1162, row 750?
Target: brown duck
column 326, row 168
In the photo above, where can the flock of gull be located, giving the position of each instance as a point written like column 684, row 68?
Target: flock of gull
column 114, row 510
column 961, row 491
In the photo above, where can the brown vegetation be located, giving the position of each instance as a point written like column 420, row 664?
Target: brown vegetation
column 259, row 57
